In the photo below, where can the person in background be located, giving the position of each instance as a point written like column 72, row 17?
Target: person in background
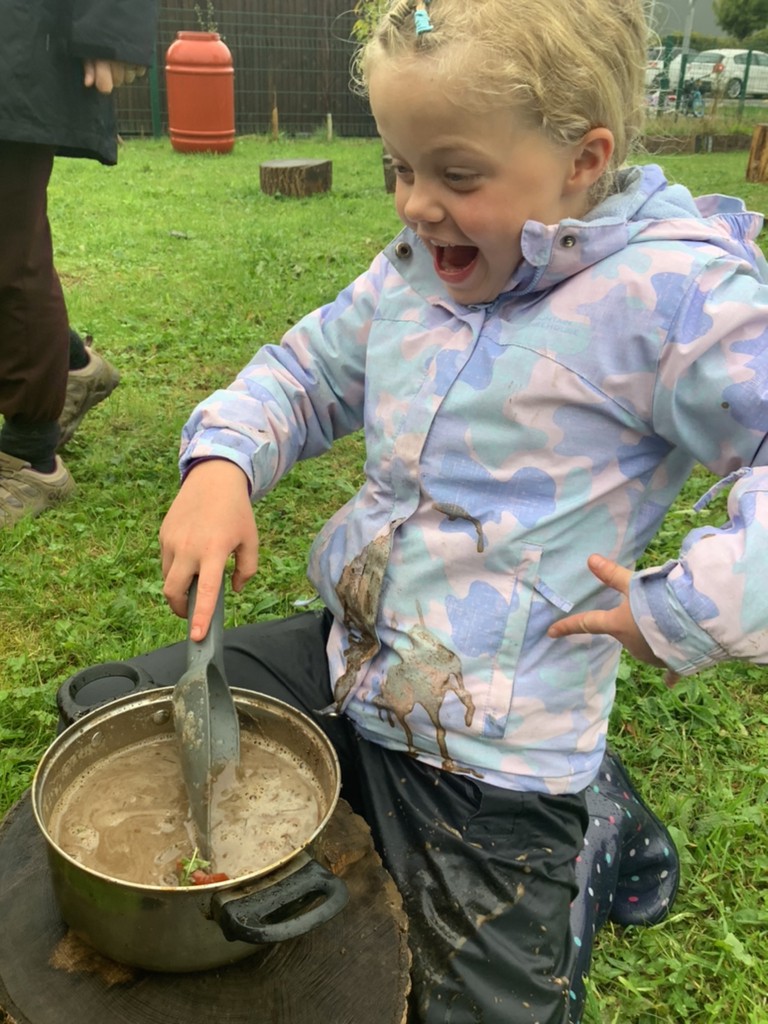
column 59, row 63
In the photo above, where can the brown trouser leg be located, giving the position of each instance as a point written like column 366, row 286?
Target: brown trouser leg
column 34, row 329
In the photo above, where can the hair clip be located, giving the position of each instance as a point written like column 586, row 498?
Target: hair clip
column 421, row 18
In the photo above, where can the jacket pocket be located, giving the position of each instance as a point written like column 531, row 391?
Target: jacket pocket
column 489, row 625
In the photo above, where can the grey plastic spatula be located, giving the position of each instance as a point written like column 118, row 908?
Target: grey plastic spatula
column 205, row 720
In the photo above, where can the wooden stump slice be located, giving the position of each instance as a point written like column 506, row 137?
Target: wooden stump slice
column 295, row 177
column 352, row 969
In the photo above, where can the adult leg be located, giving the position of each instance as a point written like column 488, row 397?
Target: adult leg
column 34, row 339
column 49, row 378
column 34, row 329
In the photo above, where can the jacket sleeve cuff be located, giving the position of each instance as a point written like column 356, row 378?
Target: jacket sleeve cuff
column 669, row 630
column 258, row 459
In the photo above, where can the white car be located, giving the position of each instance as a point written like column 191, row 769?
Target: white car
column 724, row 71
column 654, row 67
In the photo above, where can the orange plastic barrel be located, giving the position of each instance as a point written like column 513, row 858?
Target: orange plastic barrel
column 200, row 83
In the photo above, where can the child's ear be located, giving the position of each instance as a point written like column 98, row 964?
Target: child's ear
column 591, row 157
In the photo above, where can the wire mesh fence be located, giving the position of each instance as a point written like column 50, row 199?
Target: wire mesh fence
column 287, row 54
column 708, row 81
column 295, row 56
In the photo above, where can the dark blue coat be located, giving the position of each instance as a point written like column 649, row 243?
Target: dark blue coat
column 42, row 46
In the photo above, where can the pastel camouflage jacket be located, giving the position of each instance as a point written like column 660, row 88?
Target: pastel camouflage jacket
column 505, row 443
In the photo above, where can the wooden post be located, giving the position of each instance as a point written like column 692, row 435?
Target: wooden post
column 757, row 164
column 390, row 178
column 295, row 177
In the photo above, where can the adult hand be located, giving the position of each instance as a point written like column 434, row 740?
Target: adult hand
column 210, row 519
column 106, row 75
column 616, row 622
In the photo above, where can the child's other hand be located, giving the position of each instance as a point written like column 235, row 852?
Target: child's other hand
column 107, row 75
column 210, row 519
column 616, row 622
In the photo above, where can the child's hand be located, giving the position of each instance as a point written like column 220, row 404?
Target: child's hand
column 617, row 622
column 210, row 519
column 107, row 75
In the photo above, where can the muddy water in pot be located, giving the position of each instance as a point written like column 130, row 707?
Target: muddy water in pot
column 127, row 816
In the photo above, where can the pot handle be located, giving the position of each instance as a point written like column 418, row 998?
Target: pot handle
column 97, row 685
column 280, row 910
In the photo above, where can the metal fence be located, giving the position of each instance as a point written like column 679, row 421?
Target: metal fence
column 291, row 53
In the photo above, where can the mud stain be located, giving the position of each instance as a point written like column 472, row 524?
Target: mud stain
column 427, row 673
column 454, row 512
column 359, row 591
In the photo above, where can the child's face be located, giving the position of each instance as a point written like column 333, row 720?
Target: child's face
column 467, row 182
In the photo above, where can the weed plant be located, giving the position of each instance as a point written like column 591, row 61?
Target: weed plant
column 180, row 268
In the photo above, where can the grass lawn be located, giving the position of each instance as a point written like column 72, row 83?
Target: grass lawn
column 180, row 268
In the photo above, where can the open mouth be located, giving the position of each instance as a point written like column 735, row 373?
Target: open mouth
column 454, row 262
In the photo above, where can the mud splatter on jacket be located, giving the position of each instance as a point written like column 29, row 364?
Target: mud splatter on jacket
column 505, row 443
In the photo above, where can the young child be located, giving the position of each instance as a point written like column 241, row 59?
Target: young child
column 537, row 361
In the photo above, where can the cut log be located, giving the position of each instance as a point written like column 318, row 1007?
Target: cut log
column 295, row 177
column 353, row 968
column 757, row 163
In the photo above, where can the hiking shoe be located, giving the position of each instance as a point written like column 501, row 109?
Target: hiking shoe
column 25, row 492
column 86, row 388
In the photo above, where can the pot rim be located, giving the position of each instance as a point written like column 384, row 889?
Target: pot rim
column 160, row 694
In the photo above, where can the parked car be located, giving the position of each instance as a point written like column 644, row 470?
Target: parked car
column 655, row 65
column 724, row 71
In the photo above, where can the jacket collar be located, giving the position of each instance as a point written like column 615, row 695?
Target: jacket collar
column 644, row 207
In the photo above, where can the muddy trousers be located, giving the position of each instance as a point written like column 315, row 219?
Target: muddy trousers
column 487, row 875
column 34, row 327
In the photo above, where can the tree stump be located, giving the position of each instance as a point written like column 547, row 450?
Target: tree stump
column 295, row 177
column 353, row 968
column 757, row 163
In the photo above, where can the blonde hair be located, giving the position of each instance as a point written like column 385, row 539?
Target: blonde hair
column 566, row 66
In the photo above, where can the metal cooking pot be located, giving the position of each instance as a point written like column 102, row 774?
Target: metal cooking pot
column 188, row 928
